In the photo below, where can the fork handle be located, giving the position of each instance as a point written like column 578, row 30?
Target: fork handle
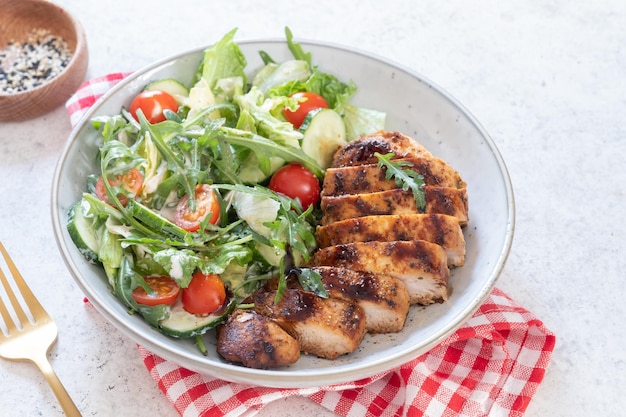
column 68, row 406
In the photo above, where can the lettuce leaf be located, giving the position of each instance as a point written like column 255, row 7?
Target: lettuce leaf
column 260, row 111
column 291, row 76
column 362, row 121
column 223, row 60
column 283, row 77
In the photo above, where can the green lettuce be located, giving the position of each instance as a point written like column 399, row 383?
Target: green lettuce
column 223, row 60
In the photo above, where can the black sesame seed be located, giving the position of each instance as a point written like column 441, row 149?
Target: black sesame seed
column 31, row 63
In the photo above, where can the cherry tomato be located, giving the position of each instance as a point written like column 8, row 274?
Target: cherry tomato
column 152, row 103
column 206, row 203
column 296, row 181
column 204, row 294
column 165, row 289
column 309, row 101
column 131, row 181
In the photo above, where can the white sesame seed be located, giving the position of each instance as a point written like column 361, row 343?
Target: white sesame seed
column 26, row 65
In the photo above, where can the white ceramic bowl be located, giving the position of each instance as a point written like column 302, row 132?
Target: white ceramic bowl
column 416, row 107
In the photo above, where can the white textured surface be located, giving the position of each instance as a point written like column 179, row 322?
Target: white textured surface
column 545, row 78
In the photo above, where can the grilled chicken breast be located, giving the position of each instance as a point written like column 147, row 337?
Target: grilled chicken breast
column 421, row 265
column 378, row 254
column 361, row 151
column 256, row 341
column 370, row 178
column 325, row 327
column 442, row 200
column 383, row 298
column 441, row 229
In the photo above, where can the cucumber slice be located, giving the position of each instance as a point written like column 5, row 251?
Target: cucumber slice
column 324, row 133
column 181, row 324
column 82, row 231
column 154, row 221
column 172, row 87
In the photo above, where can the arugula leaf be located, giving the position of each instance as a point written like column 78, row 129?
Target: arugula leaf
column 264, row 148
column 292, row 227
column 266, row 58
column 405, row 178
column 180, row 264
column 201, row 346
column 296, row 48
column 312, row 281
column 114, row 127
column 217, row 262
column 118, row 158
column 213, row 139
column 126, row 281
column 182, row 145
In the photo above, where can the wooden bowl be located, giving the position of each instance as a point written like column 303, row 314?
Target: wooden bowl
column 19, row 22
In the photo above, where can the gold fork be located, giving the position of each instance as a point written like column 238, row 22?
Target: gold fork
column 26, row 339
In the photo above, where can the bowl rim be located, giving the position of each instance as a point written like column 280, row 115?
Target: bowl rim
column 277, row 377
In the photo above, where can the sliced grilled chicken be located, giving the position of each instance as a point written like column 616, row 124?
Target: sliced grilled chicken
column 383, row 298
column 361, row 151
column 255, row 341
column 325, row 327
column 421, row 265
column 441, row 229
column 370, row 178
column 441, row 200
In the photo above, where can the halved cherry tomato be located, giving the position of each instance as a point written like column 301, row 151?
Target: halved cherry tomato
column 204, row 294
column 165, row 289
column 152, row 104
column 296, row 181
column 206, row 203
column 131, row 182
column 308, row 102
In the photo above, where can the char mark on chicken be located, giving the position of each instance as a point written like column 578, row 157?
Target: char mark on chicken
column 441, row 229
column 421, row 265
column 383, row 298
column 324, row 327
column 255, row 341
column 371, row 178
column 362, row 150
column 441, row 200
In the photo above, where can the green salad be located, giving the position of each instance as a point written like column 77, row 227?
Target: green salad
column 203, row 192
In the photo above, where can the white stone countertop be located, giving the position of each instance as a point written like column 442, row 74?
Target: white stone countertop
column 547, row 80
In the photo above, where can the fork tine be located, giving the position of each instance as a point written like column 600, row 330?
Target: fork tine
column 4, row 312
column 35, row 308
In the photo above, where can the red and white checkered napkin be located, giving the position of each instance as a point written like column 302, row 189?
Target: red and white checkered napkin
column 491, row 366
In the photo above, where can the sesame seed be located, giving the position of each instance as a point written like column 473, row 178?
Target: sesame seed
column 29, row 64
